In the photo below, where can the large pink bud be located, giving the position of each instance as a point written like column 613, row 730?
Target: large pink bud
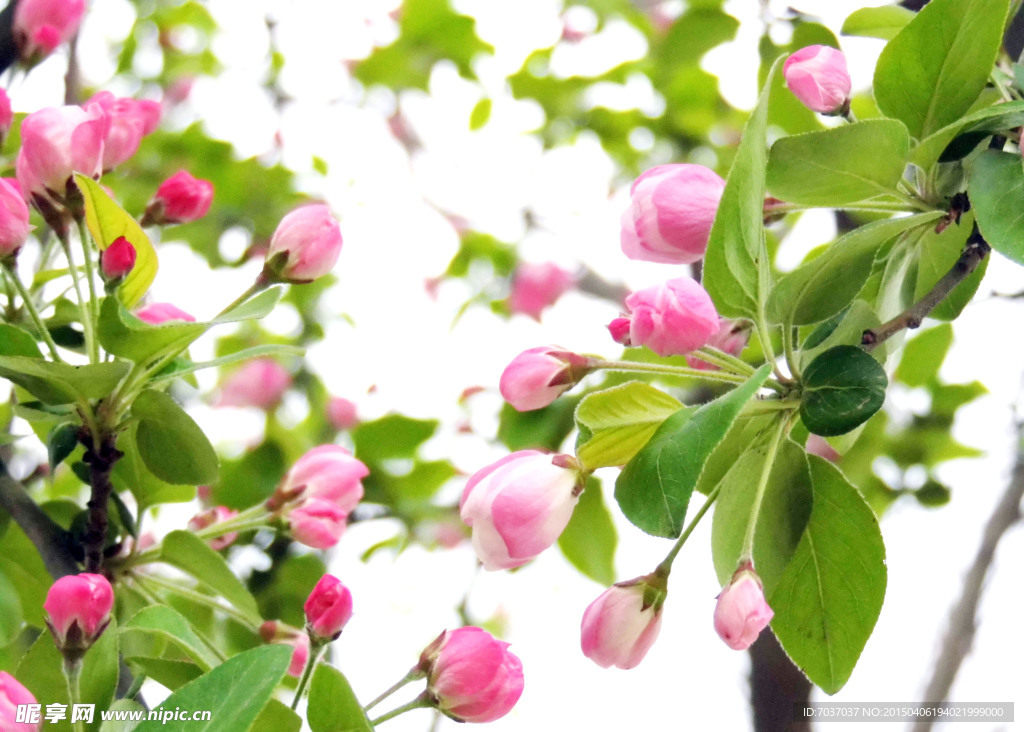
column 56, row 142
column 179, row 200
column 13, row 695
column 621, row 625
column 305, row 245
column 130, row 120
column 817, row 76
column 328, row 609
column 318, row 523
column 536, row 377
column 731, row 338
column 162, row 312
column 670, row 217
column 537, row 286
column 41, row 25
column 117, row 260
column 260, row 383
column 671, row 319
column 742, row 613
column 518, row 506
column 327, row 472
column 472, row 676
column 14, row 225
column 78, row 611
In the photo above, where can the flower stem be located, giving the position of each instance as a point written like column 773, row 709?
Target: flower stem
column 423, row 700
column 85, row 307
column 315, row 649
column 30, row 307
column 198, row 597
column 666, row 564
column 90, row 269
column 72, row 672
column 724, row 360
column 414, row 674
column 762, row 484
column 788, row 345
column 258, row 286
column 658, row 368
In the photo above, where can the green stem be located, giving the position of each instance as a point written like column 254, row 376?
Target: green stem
column 762, row 484
column 30, row 307
column 876, row 207
column 84, row 307
column 764, row 335
column 767, row 406
column 658, row 368
column 198, row 597
column 72, row 671
column 90, row 268
column 258, row 286
column 666, row 565
column 409, row 677
column 423, row 700
column 788, row 345
column 315, row 649
column 724, row 360
column 911, row 201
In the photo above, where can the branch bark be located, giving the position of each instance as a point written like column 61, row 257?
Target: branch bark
column 49, row 539
column 777, row 688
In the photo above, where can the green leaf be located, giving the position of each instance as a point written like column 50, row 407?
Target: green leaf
column 131, row 474
column 736, row 263
column 936, row 67
column 194, row 556
column 171, row 444
column 973, row 127
column 842, row 388
column 21, row 564
column 923, row 355
column 824, row 286
column 126, row 707
column 883, row 22
column 233, row 693
column 124, row 335
column 615, row 423
column 16, row 342
column 589, row 541
column 748, row 432
column 171, row 673
column 333, row 706
column 996, row 190
column 392, row 436
column 11, row 616
column 255, row 308
column 176, row 369
column 61, row 383
column 60, row 443
column 165, row 622
column 936, row 255
column 781, row 521
column 830, row 595
column 654, row 488
column 276, row 717
column 839, row 165
column 480, row 114
column 107, row 222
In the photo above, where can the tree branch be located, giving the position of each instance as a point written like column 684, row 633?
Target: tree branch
column 778, row 689
column 974, row 251
column 8, row 48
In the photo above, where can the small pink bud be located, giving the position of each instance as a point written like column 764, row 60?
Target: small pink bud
column 817, row 445
column 537, row 286
column 341, row 413
column 162, row 312
column 78, row 611
column 317, row 523
column 537, row 377
column 730, row 338
column 13, row 695
column 39, row 26
column 328, row 609
column 741, row 613
column 671, row 319
column 620, row 626
column 472, row 675
column 117, row 260
column 518, row 507
column 14, row 221
column 670, row 217
column 305, row 245
column 260, row 383
column 619, row 329
column 211, row 516
column 327, row 472
column 817, row 76
column 300, row 655
column 179, row 200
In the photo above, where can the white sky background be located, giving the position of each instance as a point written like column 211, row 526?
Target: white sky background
column 404, row 345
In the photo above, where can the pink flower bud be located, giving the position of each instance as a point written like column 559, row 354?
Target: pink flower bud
column 671, row 319
column 327, row 472
column 162, row 312
column 817, row 76
column 318, row 523
column 328, row 609
column 300, row 655
column 6, row 114
column 518, row 507
column 341, row 413
column 211, row 516
column 118, row 259
column 41, row 25
column 670, row 217
column 536, row 377
column 13, row 695
column 537, row 286
column 817, row 445
column 56, row 142
column 78, row 610
column 619, row 329
column 180, row 199
column 621, row 625
column 305, row 245
column 472, row 675
column 741, row 613
column 730, row 338
column 260, row 383
column 130, row 120
column 14, row 225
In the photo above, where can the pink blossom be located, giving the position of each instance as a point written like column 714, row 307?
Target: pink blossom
column 78, row 609
column 6, row 114
column 130, row 120
column 211, row 516
column 118, row 259
column 742, row 613
column 731, row 338
column 328, row 608
column 327, row 472
column 59, row 141
column 473, row 675
column 619, row 627
column 157, row 313
column 179, row 200
column 341, row 413
column 12, row 695
column 536, row 377
column 537, row 286
column 317, row 523
column 817, row 445
column 41, row 25
column 672, row 319
column 14, row 218
column 518, row 507
column 817, row 76
column 305, row 245
column 260, row 383
column 670, row 216
column 300, row 655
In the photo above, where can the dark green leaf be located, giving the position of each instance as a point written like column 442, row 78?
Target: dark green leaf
column 944, row 143
column 171, row 444
column 191, row 554
column 61, row 442
column 615, row 423
column 842, row 388
column 933, row 494
column 589, row 541
column 883, row 22
column 333, row 706
column 996, row 190
column 61, row 383
column 131, row 474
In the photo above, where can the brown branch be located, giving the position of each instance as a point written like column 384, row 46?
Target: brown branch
column 778, row 689
column 962, row 623
column 593, row 284
column 974, row 252
column 101, row 460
